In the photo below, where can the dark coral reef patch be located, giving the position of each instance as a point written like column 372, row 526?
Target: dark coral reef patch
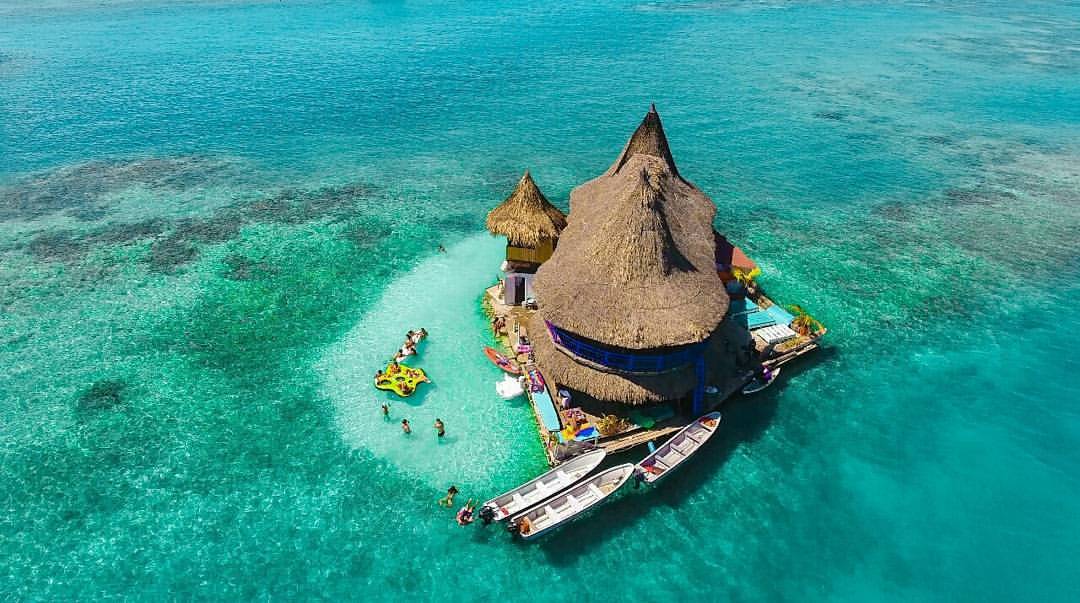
column 81, row 190
column 102, row 395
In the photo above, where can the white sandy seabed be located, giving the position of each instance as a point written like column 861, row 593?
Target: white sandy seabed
column 484, row 433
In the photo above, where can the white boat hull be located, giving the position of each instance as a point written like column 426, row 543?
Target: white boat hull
column 544, row 486
column 679, row 447
column 757, row 385
column 572, row 503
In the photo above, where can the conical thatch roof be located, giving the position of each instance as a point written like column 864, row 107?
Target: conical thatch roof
column 526, row 216
column 648, row 139
column 635, row 269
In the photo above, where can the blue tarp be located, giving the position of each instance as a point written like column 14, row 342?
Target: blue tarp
column 545, row 407
column 741, row 306
column 761, row 318
column 780, row 315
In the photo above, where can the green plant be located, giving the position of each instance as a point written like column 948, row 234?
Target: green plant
column 612, row 424
column 804, row 324
column 745, row 277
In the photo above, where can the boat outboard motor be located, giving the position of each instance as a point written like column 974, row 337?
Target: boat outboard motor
column 487, row 515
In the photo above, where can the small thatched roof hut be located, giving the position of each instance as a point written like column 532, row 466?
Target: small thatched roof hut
column 526, row 217
column 634, row 276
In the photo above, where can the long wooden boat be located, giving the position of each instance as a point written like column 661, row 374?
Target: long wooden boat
column 571, row 503
column 678, row 448
column 545, row 486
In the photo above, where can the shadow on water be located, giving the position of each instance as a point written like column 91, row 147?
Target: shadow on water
column 745, row 420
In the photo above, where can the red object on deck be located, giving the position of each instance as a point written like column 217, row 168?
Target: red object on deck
column 502, row 361
column 729, row 256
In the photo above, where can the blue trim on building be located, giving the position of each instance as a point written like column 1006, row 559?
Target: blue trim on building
column 625, row 361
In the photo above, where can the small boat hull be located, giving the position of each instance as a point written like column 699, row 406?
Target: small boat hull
column 678, row 449
column 501, row 361
column 757, row 385
column 544, row 486
column 571, row 504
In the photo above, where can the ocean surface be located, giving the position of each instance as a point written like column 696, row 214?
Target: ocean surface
column 218, row 218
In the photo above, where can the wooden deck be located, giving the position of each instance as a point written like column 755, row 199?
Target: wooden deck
column 519, row 316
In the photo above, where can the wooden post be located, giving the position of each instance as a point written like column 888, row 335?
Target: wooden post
column 699, row 389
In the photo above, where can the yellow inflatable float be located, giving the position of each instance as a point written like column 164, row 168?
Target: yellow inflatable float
column 402, row 381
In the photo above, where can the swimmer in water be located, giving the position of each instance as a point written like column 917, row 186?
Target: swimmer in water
column 465, row 515
column 405, row 426
column 448, row 500
column 440, row 427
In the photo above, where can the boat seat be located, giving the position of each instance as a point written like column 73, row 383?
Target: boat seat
column 551, row 513
column 572, row 502
column 519, row 499
column 596, row 491
column 562, row 476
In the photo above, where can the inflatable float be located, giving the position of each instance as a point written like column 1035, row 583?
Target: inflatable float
column 509, row 388
column 403, row 381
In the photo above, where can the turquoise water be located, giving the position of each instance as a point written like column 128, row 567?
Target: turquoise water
column 225, row 215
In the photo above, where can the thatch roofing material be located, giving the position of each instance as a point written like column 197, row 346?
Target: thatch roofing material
column 648, row 139
column 720, row 356
column 636, row 267
column 526, row 217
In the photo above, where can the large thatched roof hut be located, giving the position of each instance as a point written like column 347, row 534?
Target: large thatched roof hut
column 630, row 302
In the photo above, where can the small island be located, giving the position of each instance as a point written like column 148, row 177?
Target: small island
column 632, row 316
